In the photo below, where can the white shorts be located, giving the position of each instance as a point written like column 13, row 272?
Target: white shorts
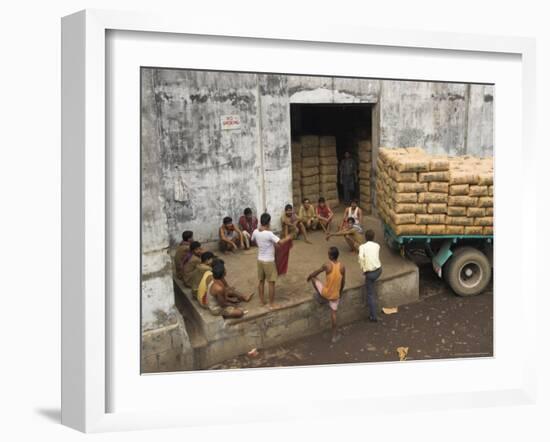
column 333, row 304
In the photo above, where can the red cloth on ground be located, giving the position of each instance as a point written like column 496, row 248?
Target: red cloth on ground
column 282, row 254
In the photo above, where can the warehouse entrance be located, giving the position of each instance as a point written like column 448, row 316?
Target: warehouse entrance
column 321, row 135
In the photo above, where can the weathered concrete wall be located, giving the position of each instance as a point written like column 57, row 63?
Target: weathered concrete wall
column 308, row 89
column 156, row 275
column 208, row 173
column 274, row 116
column 479, row 139
column 444, row 118
column 164, row 343
column 167, row 348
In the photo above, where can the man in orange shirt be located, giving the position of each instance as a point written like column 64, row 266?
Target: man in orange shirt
column 331, row 291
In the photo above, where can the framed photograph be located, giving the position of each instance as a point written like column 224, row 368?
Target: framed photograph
column 275, row 209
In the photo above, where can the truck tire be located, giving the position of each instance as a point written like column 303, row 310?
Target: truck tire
column 467, row 272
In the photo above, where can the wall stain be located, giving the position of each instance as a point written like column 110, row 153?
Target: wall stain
column 447, row 96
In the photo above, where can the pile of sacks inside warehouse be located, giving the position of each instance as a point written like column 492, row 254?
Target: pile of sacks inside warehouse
column 315, row 170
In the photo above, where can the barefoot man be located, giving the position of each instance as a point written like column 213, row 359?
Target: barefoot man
column 248, row 223
column 353, row 211
column 217, row 300
column 331, row 291
column 232, row 294
column 292, row 224
column 324, row 214
column 267, row 241
column 352, row 233
column 308, row 216
column 231, row 238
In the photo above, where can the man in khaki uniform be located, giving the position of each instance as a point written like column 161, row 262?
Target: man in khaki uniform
column 182, row 253
column 191, row 265
column 307, row 215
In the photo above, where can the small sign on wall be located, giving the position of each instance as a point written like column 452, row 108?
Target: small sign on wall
column 231, row 122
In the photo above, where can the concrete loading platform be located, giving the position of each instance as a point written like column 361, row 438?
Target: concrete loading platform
column 213, row 339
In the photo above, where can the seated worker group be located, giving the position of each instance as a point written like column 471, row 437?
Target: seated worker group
column 195, row 266
column 234, row 237
column 308, row 218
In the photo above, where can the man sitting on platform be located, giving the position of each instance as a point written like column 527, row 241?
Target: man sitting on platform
column 292, row 225
column 308, row 216
column 353, row 211
column 325, row 214
column 204, row 266
column 233, row 295
column 205, row 281
column 231, row 237
column 182, row 252
column 190, row 266
column 352, row 233
column 248, row 223
column 217, row 298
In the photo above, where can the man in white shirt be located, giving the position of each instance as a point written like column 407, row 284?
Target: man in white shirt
column 369, row 261
column 267, row 270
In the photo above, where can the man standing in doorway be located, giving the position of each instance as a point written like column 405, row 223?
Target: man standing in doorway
column 348, row 176
column 369, row 261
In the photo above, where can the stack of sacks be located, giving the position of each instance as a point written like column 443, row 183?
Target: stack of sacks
column 328, row 169
column 365, row 164
column 471, row 196
column 310, row 167
column 434, row 195
column 403, row 200
column 296, row 153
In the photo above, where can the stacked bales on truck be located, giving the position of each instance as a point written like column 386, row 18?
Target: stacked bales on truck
column 471, row 195
column 422, row 194
column 328, row 170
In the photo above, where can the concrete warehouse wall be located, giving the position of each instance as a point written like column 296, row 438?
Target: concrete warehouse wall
column 445, row 118
column 194, row 173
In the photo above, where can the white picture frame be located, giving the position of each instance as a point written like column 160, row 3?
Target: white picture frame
column 85, row 215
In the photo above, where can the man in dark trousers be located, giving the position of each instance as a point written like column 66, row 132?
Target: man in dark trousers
column 348, row 176
column 369, row 261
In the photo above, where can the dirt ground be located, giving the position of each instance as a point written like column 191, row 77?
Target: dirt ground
column 440, row 326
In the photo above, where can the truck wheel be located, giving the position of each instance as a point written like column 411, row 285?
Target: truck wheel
column 468, row 271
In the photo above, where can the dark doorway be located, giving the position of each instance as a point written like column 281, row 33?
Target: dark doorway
column 350, row 124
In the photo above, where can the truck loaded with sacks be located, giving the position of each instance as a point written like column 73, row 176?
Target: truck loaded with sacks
column 442, row 207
